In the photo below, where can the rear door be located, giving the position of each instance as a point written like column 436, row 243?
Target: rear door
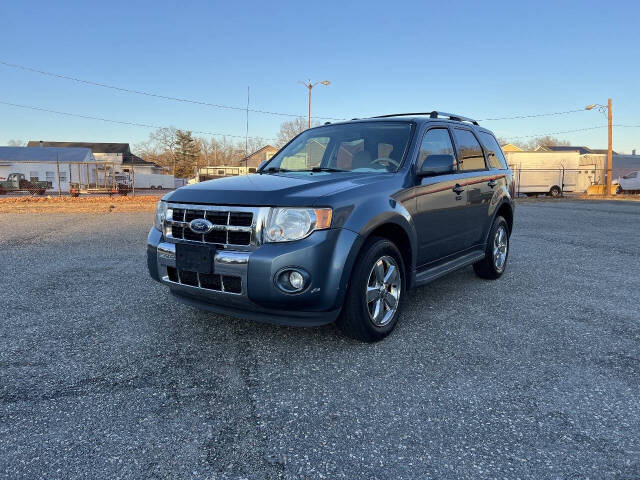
column 440, row 211
column 476, row 180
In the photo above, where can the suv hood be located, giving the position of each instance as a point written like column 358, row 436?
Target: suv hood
column 282, row 189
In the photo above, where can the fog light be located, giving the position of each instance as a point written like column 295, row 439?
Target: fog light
column 292, row 280
column 296, row 280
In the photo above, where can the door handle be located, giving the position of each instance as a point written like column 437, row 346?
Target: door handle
column 458, row 189
column 492, row 183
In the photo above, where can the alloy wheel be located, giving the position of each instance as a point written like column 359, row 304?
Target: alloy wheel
column 383, row 291
column 500, row 247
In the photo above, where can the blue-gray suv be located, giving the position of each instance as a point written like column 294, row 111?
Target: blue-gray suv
column 340, row 223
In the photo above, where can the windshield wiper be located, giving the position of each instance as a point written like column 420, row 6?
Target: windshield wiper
column 328, row 169
column 274, row 170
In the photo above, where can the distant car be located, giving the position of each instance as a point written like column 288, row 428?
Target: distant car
column 629, row 182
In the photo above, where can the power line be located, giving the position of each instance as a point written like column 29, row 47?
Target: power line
column 155, row 95
column 146, row 125
column 576, row 130
column 121, row 122
column 533, row 116
column 559, row 133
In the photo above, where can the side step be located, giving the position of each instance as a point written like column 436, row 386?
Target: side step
column 430, row 274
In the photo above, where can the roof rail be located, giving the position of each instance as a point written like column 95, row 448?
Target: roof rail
column 433, row 114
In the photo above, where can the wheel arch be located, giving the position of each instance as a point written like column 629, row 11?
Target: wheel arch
column 398, row 231
column 505, row 210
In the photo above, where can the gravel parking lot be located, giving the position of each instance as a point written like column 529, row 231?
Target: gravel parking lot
column 536, row 375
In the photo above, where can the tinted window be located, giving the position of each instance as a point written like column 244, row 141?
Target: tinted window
column 471, row 157
column 436, row 142
column 496, row 157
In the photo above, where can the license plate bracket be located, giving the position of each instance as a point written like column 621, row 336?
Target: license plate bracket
column 195, row 258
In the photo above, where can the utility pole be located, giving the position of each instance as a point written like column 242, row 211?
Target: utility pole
column 608, row 108
column 609, row 149
column 246, row 137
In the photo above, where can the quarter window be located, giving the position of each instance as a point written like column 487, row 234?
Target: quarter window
column 496, row 157
column 471, row 157
column 435, row 142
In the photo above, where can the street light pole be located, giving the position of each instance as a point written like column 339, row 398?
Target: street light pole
column 602, row 108
column 609, row 149
column 309, row 86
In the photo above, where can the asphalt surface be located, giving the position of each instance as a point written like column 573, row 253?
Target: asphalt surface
column 536, row 375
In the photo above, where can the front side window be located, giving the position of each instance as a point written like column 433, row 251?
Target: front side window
column 436, row 142
column 375, row 146
column 494, row 152
column 471, row 157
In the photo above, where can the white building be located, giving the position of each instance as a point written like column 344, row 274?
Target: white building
column 43, row 164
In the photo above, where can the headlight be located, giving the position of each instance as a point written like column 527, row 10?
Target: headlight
column 287, row 224
column 161, row 213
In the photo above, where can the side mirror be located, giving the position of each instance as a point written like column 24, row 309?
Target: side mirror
column 262, row 164
column 437, row 165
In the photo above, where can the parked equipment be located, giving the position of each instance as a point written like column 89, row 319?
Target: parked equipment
column 16, row 182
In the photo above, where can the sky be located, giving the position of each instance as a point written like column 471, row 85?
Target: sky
column 478, row 59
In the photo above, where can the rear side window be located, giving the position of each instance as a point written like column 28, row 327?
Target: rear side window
column 471, row 157
column 496, row 157
column 435, row 142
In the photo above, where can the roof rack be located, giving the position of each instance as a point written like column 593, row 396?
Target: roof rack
column 433, row 114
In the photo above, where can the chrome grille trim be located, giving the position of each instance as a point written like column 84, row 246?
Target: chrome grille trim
column 259, row 215
column 227, row 263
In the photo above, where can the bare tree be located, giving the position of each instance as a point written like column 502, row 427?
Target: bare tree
column 535, row 142
column 290, row 129
column 180, row 151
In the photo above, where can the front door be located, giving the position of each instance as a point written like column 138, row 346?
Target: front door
column 440, row 209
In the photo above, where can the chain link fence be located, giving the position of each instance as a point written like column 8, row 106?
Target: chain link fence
column 39, row 178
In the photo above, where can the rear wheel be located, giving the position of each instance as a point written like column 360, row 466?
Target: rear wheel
column 372, row 304
column 493, row 265
column 555, row 191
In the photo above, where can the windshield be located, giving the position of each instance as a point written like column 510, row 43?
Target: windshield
column 353, row 147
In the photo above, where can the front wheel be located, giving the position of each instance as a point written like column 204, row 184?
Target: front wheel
column 372, row 304
column 493, row 265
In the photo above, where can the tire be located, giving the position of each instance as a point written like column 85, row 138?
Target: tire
column 365, row 316
column 555, row 192
column 493, row 265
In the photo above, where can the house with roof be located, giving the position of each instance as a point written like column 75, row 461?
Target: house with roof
column 43, row 164
column 253, row 160
column 582, row 150
column 510, row 147
column 117, row 153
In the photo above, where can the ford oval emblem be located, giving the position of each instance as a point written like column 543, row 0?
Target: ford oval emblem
column 200, row 226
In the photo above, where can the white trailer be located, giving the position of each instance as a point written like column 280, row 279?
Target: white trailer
column 544, row 172
column 152, row 180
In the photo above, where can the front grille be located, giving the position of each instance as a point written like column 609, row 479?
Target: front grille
column 220, row 283
column 233, row 226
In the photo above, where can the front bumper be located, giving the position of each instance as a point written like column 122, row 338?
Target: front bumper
column 326, row 255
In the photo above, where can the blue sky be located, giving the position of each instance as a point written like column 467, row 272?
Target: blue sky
column 481, row 59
